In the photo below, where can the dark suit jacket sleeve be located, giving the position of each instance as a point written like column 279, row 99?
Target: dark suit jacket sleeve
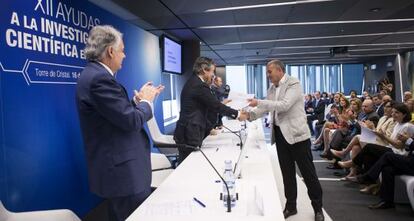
column 113, row 104
column 205, row 96
column 411, row 147
column 320, row 109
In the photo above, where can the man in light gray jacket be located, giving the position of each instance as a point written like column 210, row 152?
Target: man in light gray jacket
column 291, row 135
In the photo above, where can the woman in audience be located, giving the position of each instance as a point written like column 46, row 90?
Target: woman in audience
column 343, row 104
column 353, row 94
column 335, row 137
column 372, row 152
column 389, row 166
column 331, row 118
column 355, row 105
column 385, row 124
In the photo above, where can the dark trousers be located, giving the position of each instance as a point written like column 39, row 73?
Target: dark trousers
column 121, row 207
column 369, row 155
column 390, row 165
column 300, row 153
column 310, row 119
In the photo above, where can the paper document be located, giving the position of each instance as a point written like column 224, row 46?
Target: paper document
column 239, row 100
column 367, row 135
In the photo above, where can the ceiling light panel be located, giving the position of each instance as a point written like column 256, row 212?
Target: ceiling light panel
column 290, row 3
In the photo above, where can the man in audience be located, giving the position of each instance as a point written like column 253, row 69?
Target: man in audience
column 116, row 144
column 217, row 87
column 284, row 102
column 365, row 94
column 318, row 113
column 377, row 99
column 218, row 90
column 407, row 95
column 196, row 99
column 380, row 108
column 368, row 112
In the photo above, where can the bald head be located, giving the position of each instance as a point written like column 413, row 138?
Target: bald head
column 367, row 106
column 386, row 98
column 407, row 95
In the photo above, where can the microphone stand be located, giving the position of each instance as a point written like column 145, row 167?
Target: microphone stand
column 225, row 183
column 237, row 134
column 241, row 145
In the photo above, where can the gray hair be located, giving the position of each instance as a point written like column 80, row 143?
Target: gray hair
column 100, row 38
column 277, row 63
column 202, row 63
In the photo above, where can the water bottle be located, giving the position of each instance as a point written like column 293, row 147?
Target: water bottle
column 228, row 176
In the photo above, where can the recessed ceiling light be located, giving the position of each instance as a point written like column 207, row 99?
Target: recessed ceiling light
column 307, row 23
column 318, row 38
column 349, row 45
column 265, row 5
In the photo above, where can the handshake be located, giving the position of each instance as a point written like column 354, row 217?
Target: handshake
column 148, row 92
column 244, row 115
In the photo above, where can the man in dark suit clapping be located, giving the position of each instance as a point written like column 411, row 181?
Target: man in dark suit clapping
column 116, row 144
column 196, row 99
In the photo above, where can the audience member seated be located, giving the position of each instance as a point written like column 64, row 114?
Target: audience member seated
column 343, row 104
column 325, row 97
column 410, row 104
column 407, row 95
column 308, row 104
column 365, row 95
column 370, row 154
column 331, row 119
column 353, row 94
column 318, row 112
column 385, row 124
column 377, row 99
column 390, row 165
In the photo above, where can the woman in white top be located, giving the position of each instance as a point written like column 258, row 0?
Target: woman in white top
column 372, row 152
column 385, row 124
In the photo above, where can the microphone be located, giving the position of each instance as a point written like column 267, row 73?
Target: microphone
column 225, row 183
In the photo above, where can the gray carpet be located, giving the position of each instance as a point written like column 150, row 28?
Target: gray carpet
column 344, row 202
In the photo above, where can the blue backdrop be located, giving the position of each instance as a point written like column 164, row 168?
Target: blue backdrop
column 42, row 163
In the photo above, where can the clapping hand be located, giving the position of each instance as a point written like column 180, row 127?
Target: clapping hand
column 403, row 137
column 148, row 92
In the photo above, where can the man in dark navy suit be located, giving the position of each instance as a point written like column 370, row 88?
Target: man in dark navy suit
column 196, row 99
column 116, row 144
column 318, row 113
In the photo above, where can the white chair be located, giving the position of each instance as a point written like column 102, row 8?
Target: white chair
column 45, row 215
column 404, row 190
column 161, row 169
column 165, row 143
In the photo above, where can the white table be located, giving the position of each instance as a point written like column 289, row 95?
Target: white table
column 258, row 194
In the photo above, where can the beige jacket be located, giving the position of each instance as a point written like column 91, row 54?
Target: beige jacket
column 288, row 107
